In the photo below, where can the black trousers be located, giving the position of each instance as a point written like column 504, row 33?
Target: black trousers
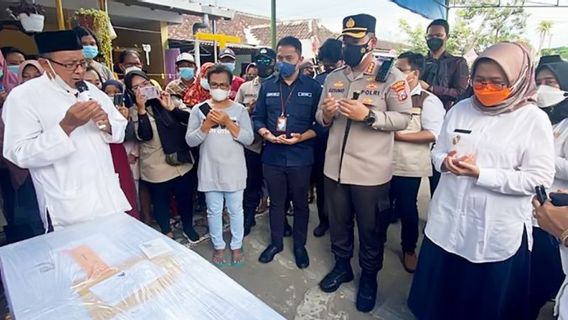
column 403, row 197
column 320, row 147
column 294, row 181
column 434, row 180
column 253, row 191
column 369, row 205
column 24, row 221
column 182, row 189
column 546, row 271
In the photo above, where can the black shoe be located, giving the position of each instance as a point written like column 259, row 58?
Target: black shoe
column 340, row 274
column 320, row 230
column 287, row 230
column 190, row 233
column 269, row 253
column 302, row 259
column 367, row 294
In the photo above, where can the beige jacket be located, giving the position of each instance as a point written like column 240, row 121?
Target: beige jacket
column 367, row 158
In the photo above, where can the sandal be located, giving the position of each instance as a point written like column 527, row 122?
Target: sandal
column 219, row 258
column 238, row 258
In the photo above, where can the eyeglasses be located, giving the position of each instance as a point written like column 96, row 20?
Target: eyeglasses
column 73, row 65
column 477, row 83
column 214, row 85
column 141, row 85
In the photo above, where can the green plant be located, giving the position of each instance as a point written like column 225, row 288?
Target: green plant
column 99, row 22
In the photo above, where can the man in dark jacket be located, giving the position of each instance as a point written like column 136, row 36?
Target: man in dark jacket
column 445, row 75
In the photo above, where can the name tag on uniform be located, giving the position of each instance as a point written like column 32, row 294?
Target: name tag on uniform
column 273, row 94
column 305, row 94
column 464, row 131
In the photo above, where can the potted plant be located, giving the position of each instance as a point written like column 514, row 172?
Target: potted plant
column 99, row 22
column 30, row 15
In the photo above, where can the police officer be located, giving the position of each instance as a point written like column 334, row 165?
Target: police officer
column 247, row 95
column 362, row 103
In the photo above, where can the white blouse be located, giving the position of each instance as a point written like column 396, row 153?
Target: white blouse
column 483, row 219
column 561, row 162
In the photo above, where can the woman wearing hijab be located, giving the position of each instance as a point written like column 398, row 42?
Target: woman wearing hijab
column 493, row 150
column 199, row 91
column 165, row 159
column 8, row 80
column 120, row 157
column 29, row 69
column 19, row 198
column 546, row 266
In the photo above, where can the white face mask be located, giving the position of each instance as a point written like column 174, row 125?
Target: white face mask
column 204, row 83
column 548, row 96
column 219, row 95
column 56, row 79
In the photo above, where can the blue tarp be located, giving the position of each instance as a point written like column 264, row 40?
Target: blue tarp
column 429, row 9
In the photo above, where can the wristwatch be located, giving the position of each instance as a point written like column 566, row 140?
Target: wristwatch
column 370, row 118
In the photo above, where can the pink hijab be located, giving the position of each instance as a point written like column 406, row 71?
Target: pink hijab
column 24, row 65
column 9, row 80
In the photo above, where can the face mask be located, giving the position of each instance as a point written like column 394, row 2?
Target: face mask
column 490, row 96
column 186, row 73
column 230, row 66
column 286, row 69
column 219, row 95
column 56, row 79
column 265, row 71
column 250, row 77
column 204, row 84
column 434, row 44
column 548, row 96
column 1, row 73
column 353, row 54
column 14, row 69
column 90, row 52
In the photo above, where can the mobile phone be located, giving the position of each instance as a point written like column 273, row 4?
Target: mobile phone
column 205, row 108
column 559, row 199
column 150, row 92
column 385, row 70
column 541, row 194
column 1, row 88
column 118, row 99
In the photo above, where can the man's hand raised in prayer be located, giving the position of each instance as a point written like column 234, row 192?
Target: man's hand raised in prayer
column 79, row 114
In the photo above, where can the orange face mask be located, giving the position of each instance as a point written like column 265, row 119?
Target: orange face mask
column 490, row 95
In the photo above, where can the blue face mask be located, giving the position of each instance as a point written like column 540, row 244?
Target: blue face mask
column 1, row 75
column 204, row 84
column 14, row 69
column 286, row 69
column 90, row 52
column 230, row 66
column 186, row 73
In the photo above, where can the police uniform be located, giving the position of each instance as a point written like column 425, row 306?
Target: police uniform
column 358, row 164
column 247, row 95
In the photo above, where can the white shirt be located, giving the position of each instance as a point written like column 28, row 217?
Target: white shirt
column 73, row 175
column 561, row 162
column 482, row 220
column 433, row 112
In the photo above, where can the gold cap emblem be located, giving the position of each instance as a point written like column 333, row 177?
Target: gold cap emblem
column 350, row 23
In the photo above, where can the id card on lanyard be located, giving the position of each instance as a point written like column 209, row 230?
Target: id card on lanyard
column 282, row 121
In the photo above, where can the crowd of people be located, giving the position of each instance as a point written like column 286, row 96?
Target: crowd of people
column 81, row 141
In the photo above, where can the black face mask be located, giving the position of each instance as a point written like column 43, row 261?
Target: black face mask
column 434, row 44
column 353, row 54
column 265, row 71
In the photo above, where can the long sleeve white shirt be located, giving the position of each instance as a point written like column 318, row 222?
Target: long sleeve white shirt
column 73, row 175
column 561, row 161
column 483, row 219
